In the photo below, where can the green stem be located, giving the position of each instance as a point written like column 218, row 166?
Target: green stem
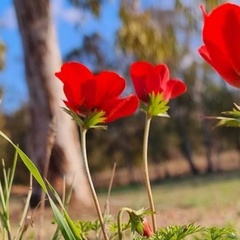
column 146, row 172
column 119, row 220
column 94, row 195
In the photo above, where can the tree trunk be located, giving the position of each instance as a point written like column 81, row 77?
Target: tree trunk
column 42, row 60
column 186, row 144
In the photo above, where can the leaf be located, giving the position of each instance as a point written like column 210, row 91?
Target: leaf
column 215, row 233
column 69, row 221
column 228, row 122
column 61, row 222
column 177, row 232
column 28, row 163
column 229, row 118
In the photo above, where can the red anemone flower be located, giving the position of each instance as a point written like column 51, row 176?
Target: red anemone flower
column 221, row 38
column 148, row 79
column 147, row 230
column 87, row 93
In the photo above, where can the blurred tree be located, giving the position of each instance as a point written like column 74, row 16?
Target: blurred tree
column 2, row 55
column 3, row 143
column 42, row 60
column 166, row 34
column 157, row 33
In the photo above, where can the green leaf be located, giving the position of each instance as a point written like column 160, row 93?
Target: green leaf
column 228, row 122
column 61, row 222
column 69, row 221
column 229, row 118
column 215, row 233
column 177, row 232
column 28, row 163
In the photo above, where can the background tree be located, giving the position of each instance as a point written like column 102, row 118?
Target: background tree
column 42, row 59
column 159, row 34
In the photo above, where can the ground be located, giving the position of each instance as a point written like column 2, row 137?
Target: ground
column 207, row 200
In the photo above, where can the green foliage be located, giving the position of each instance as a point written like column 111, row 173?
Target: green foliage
column 214, row 233
column 139, row 35
column 177, row 232
column 16, row 127
column 157, row 106
column 65, row 224
column 232, row 119
column 93, row 6
column 90, row 122
column 192, row 231
column 5, row 190
column 86, row 227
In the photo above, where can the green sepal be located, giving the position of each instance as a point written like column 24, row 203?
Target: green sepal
column 229, row 118
column 76, row 118
column 94, row 119
column 156, row 106
column 91, row 121
column 136, row 219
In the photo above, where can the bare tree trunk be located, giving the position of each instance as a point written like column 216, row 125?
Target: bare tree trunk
column 186, row 144
column 42, row 60
column 197, row 98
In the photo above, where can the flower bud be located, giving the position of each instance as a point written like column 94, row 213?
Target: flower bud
column 147, row 230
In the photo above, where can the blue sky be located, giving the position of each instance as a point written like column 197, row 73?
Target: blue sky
column 12, row 78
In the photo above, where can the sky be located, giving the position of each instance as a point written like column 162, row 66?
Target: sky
column 66, row 17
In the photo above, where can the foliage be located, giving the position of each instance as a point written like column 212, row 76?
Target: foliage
column 193, row 231
column 93, row 6
column 5, row 189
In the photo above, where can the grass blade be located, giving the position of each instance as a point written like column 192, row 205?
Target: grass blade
column 61, row 222
column 28, row 163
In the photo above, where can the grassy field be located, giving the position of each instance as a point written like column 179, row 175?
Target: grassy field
column 207, row 200
column 210, row 200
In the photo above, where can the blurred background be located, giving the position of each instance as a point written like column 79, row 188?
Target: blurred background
column 111, row 34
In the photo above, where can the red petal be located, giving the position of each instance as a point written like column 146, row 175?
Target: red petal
column 163, row 76
column 231, row 33
column 88, row 90
column 73, row 75
column 119, row 108
column 220, row 65
column 174, row 89
column 221, row 36
column 204, row 53
column 139, row 72
column 108, row 85
column 147, row 230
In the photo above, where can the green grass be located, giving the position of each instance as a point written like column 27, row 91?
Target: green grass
column 209, row 200
column 206, row 191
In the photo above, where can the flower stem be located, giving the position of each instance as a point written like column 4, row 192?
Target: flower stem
column 119, row 220
column 146, row 172
column 94, row 195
